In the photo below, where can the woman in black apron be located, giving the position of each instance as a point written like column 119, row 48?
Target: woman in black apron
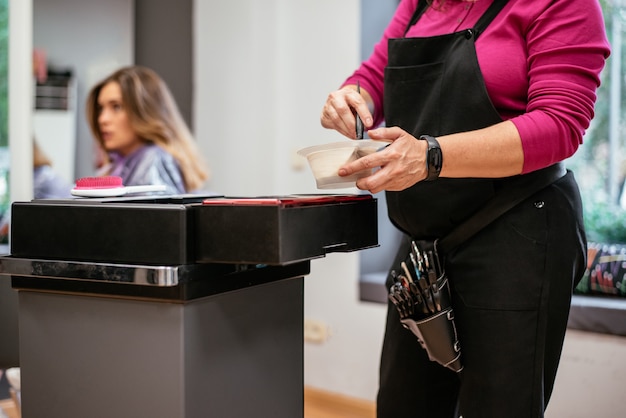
column 511, row 283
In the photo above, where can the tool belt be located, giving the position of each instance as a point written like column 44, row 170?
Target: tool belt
column 421, row 294
column 420, row 290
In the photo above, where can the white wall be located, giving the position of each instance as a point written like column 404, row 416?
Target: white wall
column 263, row 71
column 591, row 377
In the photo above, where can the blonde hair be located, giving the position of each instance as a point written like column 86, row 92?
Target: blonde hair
column 155, row 118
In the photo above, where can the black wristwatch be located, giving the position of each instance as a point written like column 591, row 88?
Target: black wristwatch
column 434, row 158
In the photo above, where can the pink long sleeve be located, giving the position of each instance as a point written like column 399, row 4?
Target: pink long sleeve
column 541, row 61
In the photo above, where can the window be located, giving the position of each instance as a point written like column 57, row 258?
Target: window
column 600, row 163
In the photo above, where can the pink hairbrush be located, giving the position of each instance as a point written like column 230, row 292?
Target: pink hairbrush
column 110, row 186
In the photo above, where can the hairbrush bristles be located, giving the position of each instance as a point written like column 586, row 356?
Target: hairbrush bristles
column 110, row 186
column 104, row 182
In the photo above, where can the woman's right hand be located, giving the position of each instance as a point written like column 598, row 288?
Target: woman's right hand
column 340, row 108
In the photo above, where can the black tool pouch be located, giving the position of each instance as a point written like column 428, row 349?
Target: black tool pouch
column 421, row 294
column 437, row 335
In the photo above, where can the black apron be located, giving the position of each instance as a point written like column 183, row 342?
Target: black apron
column 434, row 86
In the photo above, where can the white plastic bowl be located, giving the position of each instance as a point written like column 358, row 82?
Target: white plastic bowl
column 325, row 161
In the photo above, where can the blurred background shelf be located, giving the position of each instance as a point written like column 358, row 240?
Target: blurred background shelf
column 55, row 121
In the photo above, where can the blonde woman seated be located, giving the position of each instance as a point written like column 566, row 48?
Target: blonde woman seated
column 144, row 139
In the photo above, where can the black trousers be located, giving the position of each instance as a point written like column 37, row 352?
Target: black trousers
column 512, row 285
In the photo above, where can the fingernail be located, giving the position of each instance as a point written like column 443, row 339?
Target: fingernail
column 342, row 172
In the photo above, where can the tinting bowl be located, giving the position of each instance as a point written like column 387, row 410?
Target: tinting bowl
column 325, row 161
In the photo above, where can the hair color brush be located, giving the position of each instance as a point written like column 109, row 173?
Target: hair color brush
column 110, row 186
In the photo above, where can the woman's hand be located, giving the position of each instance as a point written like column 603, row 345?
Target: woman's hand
column 339, row 111
column 402, row 163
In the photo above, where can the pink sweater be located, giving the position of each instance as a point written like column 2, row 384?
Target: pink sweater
column 541, row 60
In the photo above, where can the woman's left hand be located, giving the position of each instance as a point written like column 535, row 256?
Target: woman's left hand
column 402, row 163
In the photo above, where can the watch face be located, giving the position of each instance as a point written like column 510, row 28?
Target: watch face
column 434, row 157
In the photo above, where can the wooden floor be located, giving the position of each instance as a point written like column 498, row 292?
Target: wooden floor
column 322, row 404
column 8, row 407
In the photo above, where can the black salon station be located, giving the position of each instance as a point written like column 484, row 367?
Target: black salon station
column 171, row 307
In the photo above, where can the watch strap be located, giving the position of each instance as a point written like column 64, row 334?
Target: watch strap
column 434, row 157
